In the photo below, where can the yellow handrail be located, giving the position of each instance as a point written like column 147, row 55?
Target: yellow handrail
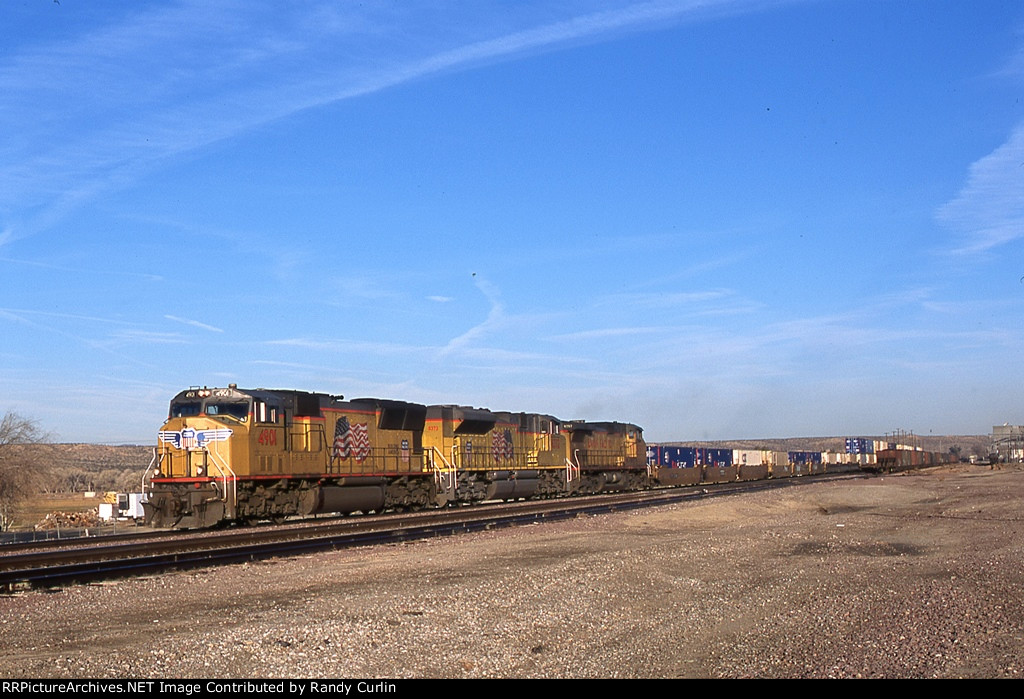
column 572, row 471
column 222, row 465
column 449, row 473
column 150, row 467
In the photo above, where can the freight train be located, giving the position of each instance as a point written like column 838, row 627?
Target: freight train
column 238, row 455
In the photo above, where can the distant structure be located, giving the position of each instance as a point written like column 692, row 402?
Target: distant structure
column 1008, row 442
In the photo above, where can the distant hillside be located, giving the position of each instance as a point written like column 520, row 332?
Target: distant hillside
column 96, row 457
column 76, row 468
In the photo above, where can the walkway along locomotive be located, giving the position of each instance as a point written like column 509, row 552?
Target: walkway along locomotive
column 230, row 454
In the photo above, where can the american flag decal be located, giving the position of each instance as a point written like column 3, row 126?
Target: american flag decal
column 341, row 438
column 501, row 445
column 351, row 440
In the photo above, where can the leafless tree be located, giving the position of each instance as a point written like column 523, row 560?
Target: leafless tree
column 24, row 463
column 130, row 480
column 73, row 480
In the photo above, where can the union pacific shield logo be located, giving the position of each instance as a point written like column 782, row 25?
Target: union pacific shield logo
column 190, row 438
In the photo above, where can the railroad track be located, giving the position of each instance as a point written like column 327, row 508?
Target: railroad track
column 94, row 560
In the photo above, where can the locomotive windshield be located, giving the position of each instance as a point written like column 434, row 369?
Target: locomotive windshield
column 238, row 410
column 190, row 409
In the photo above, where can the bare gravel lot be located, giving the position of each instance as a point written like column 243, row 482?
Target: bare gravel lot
column 915, row 575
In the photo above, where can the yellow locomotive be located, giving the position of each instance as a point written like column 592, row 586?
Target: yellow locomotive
column 230, row 454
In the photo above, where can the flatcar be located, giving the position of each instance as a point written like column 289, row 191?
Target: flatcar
column 679, row 465
column 238, row 455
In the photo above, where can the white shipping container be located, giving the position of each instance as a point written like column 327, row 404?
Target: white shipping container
column 750, row 457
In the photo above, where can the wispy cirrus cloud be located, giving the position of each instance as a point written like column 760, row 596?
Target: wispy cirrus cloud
column 495, row 319
column 194, row 323
column 80, row 333
column 989, row 209
column 343, row 345
column 146, row 337
column 18, row 313
column 225, row 69
column 603, row 333
column 709, row 302
column 80, row 269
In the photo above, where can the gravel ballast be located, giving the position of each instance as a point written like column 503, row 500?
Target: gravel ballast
column 912, row 575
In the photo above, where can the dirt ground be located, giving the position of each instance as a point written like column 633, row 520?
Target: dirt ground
column 913, row 575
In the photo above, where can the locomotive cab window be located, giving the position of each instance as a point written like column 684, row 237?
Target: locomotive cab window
column 238, row 411
column 186, row 409
column 265, row 412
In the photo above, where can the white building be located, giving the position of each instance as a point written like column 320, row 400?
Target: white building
column 1008, row 442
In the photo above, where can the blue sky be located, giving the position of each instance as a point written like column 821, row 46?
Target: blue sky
column 717, row 219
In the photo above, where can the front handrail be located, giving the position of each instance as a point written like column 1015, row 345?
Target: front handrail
column 157, row 458
column 446, row 478
column 222, row 465
column 572, row 471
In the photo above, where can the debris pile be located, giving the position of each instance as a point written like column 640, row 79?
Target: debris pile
column 70, row 520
